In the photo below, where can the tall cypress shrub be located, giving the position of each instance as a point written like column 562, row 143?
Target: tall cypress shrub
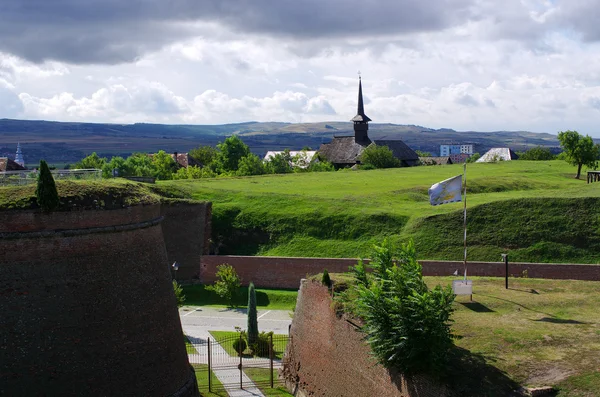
column 46, row 193
column 252, row 318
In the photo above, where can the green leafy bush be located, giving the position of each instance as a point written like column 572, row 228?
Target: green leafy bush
column 228, row 283
column 239, row 345
column 178, row 293
column 46, row 193
column 379, row 157
column 407, row 325
column 261, row 347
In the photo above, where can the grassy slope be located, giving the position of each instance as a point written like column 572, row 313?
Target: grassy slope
column 536, row 211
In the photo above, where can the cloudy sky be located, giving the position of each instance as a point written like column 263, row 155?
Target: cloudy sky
column 463, row 64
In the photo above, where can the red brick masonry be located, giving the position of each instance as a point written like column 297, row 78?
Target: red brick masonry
column 284, row 272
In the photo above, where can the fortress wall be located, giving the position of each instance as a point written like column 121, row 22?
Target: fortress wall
column 285, row 272
column 327, row 356
column 186, row 228
column 89, row 311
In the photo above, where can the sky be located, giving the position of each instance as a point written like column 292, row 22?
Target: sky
column 482, row 65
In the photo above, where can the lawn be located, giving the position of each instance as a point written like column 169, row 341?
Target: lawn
column 537, row 333
column 272, row 299
column 535, row 211
column 260, row 376
column 189, row 348
column 226, row 339
column 202, row 379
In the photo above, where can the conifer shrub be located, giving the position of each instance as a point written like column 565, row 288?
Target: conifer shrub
column 46, row 193
column 239, row 345
column 326, row 280
column 179, row 295
column 252, row 315
column 407, row 324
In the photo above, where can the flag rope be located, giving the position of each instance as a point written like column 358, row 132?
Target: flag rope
column 465, row 218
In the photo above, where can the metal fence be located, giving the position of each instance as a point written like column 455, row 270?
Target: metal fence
column 230, row 363
column 27, row 177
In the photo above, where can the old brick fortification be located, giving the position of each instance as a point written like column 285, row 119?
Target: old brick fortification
column 282, row 272
column 186, row 228
column 327, row 356
column 87, row 306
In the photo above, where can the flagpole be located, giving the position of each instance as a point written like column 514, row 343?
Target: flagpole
column 465, row 217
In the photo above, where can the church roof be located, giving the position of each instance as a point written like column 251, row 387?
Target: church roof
column 400, row 149
column 360, row 114
column 343, row 150
column 7, row 164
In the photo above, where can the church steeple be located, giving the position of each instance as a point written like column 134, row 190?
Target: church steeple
column 19, row 156
column 361, row 120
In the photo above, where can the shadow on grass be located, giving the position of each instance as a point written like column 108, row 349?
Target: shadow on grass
column 559, row 321
column 469, row 374
column 477, row 307
column 527, row 290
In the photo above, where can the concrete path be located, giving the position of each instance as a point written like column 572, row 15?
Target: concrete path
column 197, row 321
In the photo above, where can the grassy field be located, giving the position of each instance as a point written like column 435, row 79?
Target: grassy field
column 536, row 333
column 535, row 211
column 202, row 380
column 272, row 299
column 260, row 376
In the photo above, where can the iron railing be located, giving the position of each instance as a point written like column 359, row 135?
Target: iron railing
column 27, row 177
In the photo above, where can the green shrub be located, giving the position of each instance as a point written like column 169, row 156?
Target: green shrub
column 178, row 293
column 46, row 193
column 261, row 347
column 228, row 283
column 239, row 345
column 407, row 325
column 252, row 315
column 326, row 280
column 379, row 157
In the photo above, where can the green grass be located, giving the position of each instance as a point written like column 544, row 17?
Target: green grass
column 202, row 379
column 272, row 299
column 189, row 348
column 536, row 333
column 260, row 376
column 535, row 211
column 226, row 339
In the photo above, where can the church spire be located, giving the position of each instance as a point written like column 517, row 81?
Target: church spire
column 361, row 120
column 19, row 156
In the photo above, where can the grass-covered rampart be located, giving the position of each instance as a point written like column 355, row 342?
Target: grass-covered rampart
column 535, row 211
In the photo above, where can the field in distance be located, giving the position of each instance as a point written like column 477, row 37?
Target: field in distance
column 535, row 211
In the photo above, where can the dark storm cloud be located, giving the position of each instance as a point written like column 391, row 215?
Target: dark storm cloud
column 115, row 31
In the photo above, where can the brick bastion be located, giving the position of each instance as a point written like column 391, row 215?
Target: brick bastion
column 327, row 355
column 87, row 306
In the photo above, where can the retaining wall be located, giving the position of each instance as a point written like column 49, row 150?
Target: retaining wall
column 87, row 306
column 284, row 272
column 327, row 356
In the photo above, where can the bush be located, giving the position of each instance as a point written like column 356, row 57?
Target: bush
column 379, row 157
column 228, row 283
column 407, row 325
column 261, row 347
column 239, row 345
column 326, row 280
column 46, row 193
column 178, row 293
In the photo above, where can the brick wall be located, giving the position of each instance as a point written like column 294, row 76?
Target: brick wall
column 327, row 356
column 186, row 229
column 283, row 272
column 88, row 311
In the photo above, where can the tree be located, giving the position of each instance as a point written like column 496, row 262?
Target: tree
column 91, row 161
column 250, row 165
column 46, row 193
column 164, row 165
column 379, row 157
column 407, row 324
column 116, row 163
column 281, row 163
column 140, row 164
column 179, row 295
column 230, row 153
column 193, row 172
column 204, row 155
column 227, row 284
column 474, row 157
column 252, row 316
column 537, row 154
column 579, row 150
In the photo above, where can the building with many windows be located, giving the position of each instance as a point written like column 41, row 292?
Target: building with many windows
column 456, row 152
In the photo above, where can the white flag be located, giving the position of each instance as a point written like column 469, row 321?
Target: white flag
column 448, row 191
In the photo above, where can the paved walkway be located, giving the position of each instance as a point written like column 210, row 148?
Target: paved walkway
column 198, row 321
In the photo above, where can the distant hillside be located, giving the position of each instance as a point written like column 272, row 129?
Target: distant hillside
column 59, row 142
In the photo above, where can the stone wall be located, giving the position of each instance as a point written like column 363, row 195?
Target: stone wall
column 327, row 356
column 283, row 272
column 87, row 306
column 186, row 228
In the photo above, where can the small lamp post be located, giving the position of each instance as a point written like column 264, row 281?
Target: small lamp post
column 505, row 259
column 175, row 267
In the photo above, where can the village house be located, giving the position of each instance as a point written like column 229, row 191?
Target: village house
column 345, row 151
